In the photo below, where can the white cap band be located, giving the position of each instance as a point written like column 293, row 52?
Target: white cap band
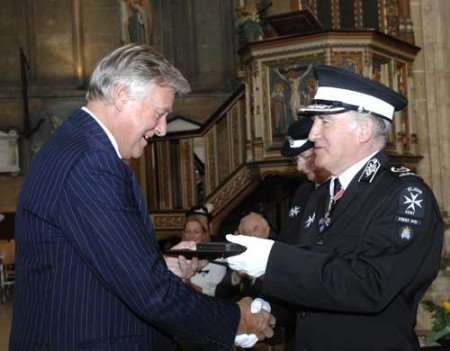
column 368, row 102
column 295, row 144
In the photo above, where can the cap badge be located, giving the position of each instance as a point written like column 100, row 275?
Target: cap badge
column 290, row 141
column 370, row 171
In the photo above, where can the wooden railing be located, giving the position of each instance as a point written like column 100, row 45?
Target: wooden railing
column 209, row 164
column 225, row 160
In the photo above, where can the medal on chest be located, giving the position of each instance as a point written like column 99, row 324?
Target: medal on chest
column 335, row 193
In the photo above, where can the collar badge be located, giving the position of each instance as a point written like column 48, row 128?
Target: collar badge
column 370, row 171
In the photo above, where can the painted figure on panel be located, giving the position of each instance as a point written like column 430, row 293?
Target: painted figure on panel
column 308, row 94
column 350, row 64
column 136, row 21
column 279, row 109
column 289, row 91
column 248, row 23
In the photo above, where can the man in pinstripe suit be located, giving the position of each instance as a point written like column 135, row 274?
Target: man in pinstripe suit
column 90, row 275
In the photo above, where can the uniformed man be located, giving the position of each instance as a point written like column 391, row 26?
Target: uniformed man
column 300, row 149
column 371, row 236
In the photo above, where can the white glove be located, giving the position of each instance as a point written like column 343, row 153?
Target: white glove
column 245, row 340
column 258, row 304
column 254, row 260
column 249, row 340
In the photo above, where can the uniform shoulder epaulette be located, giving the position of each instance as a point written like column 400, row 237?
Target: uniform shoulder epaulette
column 402, row 171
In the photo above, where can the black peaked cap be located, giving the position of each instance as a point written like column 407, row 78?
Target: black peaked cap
column 297, row 137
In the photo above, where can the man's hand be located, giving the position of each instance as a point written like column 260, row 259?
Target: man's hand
column 261, row 323
column 182, row 267
column 254, row 260
column 249, row 340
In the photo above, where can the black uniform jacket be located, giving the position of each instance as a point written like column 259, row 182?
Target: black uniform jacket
column 290, row 234
column 361, row 279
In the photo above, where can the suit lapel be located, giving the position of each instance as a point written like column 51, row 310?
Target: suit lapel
column 350, row 195
column 98, row 139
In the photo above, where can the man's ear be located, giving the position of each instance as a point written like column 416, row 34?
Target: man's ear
column 119, row 96
column 366, row 129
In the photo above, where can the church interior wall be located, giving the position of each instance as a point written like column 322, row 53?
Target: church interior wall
column 63, row 39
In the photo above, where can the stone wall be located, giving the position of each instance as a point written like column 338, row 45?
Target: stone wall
column 431, row 107
column 63, row 40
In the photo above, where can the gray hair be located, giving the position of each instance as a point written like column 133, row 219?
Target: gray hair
column 135, row 66
column 382, row 126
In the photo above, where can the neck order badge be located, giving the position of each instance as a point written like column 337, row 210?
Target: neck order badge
column 336, row 192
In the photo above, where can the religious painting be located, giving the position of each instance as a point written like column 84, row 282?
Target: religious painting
column 351, row 61
column 381, row 70
column 136, row 19
column 291, row 86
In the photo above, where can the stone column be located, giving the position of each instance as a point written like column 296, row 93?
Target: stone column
column 431, row 107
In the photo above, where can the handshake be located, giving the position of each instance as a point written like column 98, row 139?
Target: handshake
column 256, row 322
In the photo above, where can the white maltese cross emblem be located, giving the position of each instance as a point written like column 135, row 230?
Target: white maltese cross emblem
column 412, row 201
column 310, row 220
column 294, row 211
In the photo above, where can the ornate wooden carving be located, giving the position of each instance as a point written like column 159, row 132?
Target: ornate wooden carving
column 164, row 175
column 168, row 221
column 351, row 60
column 238, row 141
column 211, row 161
column 187, row 173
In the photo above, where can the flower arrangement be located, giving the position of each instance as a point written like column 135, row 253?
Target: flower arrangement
column 441, row 322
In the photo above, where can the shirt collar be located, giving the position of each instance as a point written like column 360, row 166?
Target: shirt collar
column 347, row 176
column 107, row 132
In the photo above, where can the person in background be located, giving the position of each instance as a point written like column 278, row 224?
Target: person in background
column 254, row 224
column 236, row 285
column 197, row 229
column 370, row 237
column 89, row 272
column 301, row 150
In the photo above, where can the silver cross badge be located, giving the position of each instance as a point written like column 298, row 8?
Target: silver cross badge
column 310, row 220
column 294, row 211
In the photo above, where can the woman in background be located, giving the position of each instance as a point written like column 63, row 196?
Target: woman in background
column 197, row 228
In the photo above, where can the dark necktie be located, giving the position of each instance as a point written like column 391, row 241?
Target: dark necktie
column 335, row 193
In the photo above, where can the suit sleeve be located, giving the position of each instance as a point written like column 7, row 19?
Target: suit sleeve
column 398, row 249
column 104, row 221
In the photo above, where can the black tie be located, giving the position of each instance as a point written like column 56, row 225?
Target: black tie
column 337, row 193
column 335, row 188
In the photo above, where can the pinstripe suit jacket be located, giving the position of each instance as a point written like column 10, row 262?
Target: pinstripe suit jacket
column 90, row 275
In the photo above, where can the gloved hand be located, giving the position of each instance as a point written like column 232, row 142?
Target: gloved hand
column 249, row 340
column 245, row 340
column 254, row 260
